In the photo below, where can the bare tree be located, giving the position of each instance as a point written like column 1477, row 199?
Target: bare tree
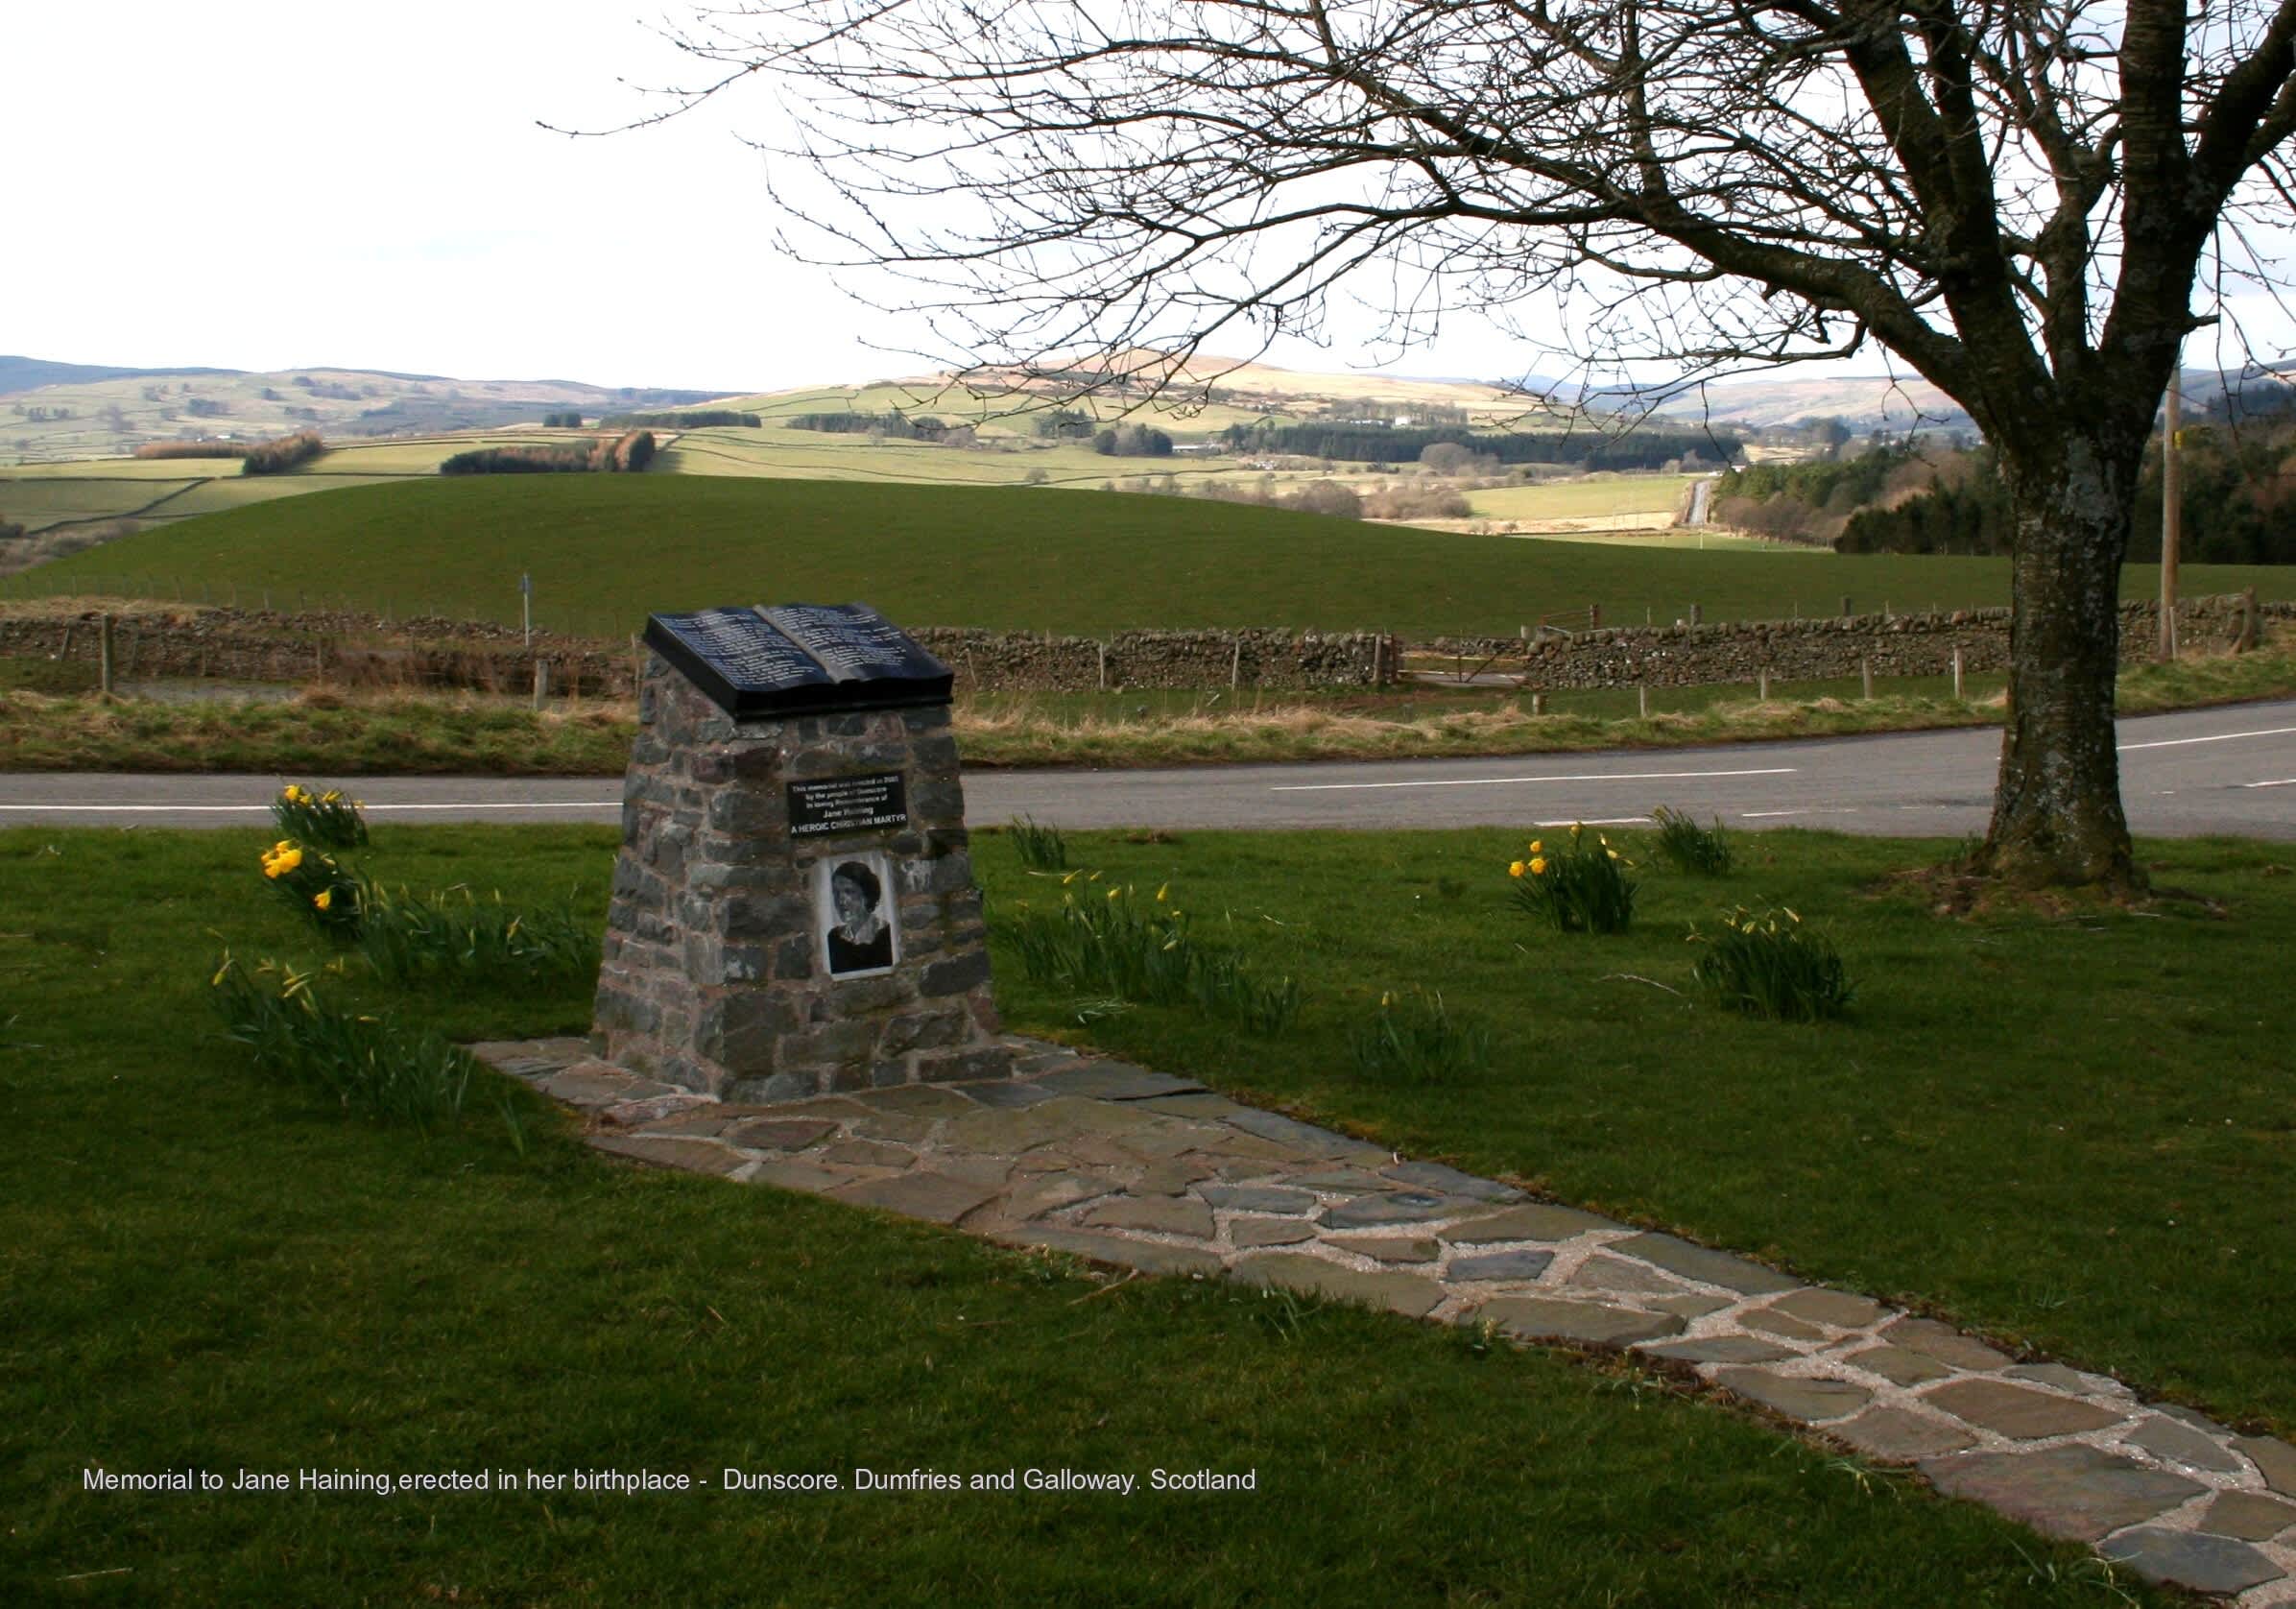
column 2015, row 197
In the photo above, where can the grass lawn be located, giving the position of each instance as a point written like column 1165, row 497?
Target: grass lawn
column 1594, row 498
column 200, row 1271
column 603, row 550
column 2027, row 1121
column 39, row 501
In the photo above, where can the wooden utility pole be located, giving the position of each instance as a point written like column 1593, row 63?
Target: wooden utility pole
column 2171, row 510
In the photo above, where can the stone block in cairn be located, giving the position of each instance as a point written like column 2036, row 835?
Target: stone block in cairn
column 793, row 909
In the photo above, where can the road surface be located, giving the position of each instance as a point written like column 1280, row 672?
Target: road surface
column 2226, row 770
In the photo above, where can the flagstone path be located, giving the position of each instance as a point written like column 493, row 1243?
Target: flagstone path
column 1113, row 1163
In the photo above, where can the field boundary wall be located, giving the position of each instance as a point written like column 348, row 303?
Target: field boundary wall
column 479, row 655
column 1684, row 655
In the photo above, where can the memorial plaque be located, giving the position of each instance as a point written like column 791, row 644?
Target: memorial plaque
column 798, row 660
column 848, row 805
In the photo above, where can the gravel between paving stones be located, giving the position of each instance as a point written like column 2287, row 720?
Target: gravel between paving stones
column 1096, row 1159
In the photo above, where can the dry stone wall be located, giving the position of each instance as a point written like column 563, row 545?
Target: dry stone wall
column 260, row 646
column 1003, row 661
column 253, row 646
column 1683, row 655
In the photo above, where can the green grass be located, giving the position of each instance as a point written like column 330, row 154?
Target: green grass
column 2023, row 1121
column 1595, row 497
column 604, row 551
column 38, row 502
column 201, row 1269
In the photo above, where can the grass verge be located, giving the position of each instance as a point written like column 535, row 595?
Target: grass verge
column 2025, row 1118
column 203, row 1270
column 345, row 734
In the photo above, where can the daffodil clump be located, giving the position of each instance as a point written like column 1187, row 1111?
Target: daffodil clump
column 406, row 937
column 368, row 1064
column 1577, row 886
column 327, row 819
column 1784, row 970
column 1105, row 941
column 1414, row 1037
column 314, row 884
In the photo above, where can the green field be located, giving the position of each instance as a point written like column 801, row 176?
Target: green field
column 38, row 502
column 254, row 1283
column 607, row 550
column 1594, row 497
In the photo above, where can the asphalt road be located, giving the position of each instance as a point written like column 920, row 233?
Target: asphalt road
column 2228, row 770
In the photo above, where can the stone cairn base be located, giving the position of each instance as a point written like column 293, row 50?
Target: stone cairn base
column 710, row 978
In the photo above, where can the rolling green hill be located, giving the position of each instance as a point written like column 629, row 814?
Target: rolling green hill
column 606, row 550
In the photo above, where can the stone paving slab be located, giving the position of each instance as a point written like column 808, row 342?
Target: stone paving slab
column 1896, row 1436
column 933, row 1196
column 1088, row 1157
column 2076, row 1492
column 1116, row 1081
column 1412, row 1295
column 2208, row 1564
column 2019, row 1411
column 690, row 1156
column 1534, row 1318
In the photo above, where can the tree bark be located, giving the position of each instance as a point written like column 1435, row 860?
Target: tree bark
column 2057, row 817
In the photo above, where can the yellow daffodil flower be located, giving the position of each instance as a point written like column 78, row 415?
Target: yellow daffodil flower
column 1514, row 868
column 324, row 897
column 1161, row 892
column 1539, row 866
column 1536, row 847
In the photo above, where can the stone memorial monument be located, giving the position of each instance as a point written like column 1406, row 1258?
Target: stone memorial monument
column 794, row 910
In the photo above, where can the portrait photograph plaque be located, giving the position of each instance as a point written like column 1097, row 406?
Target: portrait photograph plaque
column 853, row 913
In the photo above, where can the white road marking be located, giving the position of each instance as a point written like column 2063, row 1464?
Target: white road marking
column 1493, row 781
column 2220, row 737
column 1813, row 810
column 1599, row 821
column 2283, row 782
column 265, row 809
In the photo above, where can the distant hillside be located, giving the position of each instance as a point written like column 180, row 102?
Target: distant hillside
column 30, row 373
column 55, row 411
column 1867, row 403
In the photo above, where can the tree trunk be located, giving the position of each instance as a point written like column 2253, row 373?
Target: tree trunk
column 2057, row 819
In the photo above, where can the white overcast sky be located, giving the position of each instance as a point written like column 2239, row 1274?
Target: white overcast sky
column 260, row 185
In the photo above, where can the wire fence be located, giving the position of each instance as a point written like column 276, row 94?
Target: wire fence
column 389, row 608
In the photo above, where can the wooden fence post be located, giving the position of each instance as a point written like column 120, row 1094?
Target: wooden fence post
column 1956, row 676
column 104, row 657
column 1865, row 674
